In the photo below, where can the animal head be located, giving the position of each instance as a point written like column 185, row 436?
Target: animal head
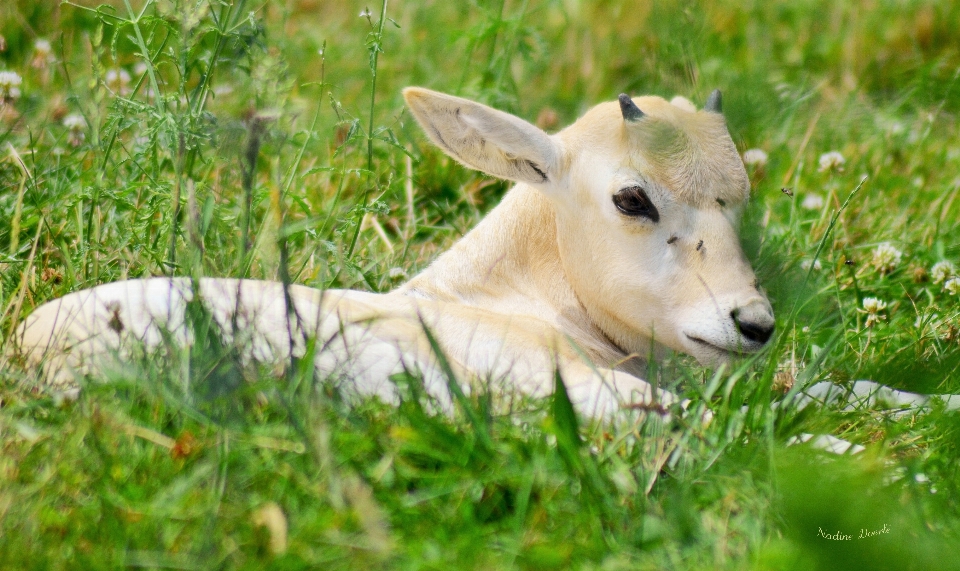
column 648, row 196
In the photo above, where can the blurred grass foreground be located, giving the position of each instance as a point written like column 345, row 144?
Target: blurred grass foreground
column 268, row 140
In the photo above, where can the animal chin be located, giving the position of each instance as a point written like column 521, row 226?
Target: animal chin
column 717, row 352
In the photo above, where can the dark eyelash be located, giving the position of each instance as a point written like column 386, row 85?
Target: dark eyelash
column 633, row 201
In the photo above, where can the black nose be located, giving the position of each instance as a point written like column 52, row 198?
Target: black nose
column 759, row 329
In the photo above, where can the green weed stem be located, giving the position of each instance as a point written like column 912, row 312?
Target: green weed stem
column 375, row 47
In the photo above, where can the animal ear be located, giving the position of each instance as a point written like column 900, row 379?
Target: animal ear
column 485, row 139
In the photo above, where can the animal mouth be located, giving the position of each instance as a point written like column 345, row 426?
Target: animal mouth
column 733, row 352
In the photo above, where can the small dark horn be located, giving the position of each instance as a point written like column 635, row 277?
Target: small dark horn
column 629, row 109
column 714, row 102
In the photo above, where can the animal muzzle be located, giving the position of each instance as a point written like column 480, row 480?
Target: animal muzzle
column 715, row 331
column 754, row 321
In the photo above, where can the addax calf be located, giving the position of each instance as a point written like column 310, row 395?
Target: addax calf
column 619, row 239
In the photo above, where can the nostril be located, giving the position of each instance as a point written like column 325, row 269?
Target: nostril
column 757, row 332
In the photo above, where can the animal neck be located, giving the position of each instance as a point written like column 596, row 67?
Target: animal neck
column 510, row 263
column 511, row 252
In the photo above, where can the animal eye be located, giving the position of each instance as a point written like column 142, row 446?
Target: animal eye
column 633, row 201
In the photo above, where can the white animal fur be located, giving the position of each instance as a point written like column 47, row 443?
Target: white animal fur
column 554, row 276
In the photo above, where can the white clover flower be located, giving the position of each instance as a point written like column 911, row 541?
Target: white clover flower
column 42, row 47
column 941, row 271
column 42, row 54
column 952, row 286
column 397, row 274
column 872, row 307
column 806, row 265
column 755, row 157
column 812, row 202
column 886, row 258
column 832, row 161
column 10, row 82
column 75, row 124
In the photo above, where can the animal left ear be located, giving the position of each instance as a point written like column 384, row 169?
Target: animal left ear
column 485, row 139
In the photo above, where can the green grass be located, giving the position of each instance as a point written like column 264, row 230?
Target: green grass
column 250, row 141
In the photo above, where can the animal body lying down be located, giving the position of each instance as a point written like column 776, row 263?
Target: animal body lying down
column 618, row 240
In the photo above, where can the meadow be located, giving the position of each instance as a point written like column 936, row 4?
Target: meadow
column 269, row 140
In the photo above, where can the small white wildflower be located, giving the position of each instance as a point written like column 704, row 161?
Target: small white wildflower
column 42, row 47
column 755, row 157
column 75, row 125
column 365, row 13
column 812, row 202
column 397, row 274
column 74, row 122
column 941, row 271
column 872, row 307
column 140, row 68
column 806, row 265
column 42, row 54
column 118, row 81
column 832, row 161
column 952, row 286
column 886, row 258
column 9, row 85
